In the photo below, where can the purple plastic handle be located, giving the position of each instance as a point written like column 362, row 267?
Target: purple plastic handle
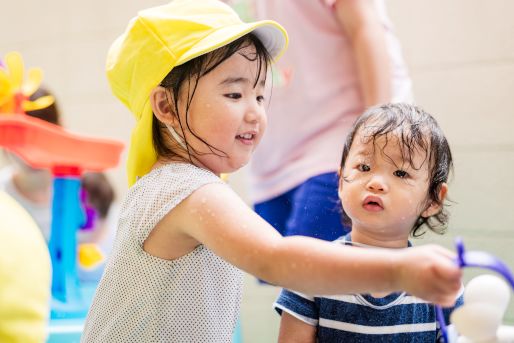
column 90, row 212
column 477, row 259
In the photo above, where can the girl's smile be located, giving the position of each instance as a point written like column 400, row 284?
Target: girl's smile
column 247, row 138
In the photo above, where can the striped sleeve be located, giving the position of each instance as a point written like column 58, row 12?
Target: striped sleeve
column 298, row 305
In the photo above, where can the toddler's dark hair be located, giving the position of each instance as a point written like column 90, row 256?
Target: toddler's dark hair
column 418, row 132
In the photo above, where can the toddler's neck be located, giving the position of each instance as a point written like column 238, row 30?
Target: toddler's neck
column 378, row 241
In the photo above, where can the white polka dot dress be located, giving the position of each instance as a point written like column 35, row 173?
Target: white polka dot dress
column 142, row 298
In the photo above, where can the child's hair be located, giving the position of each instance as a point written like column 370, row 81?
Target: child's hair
column 49, row 113
column 191, row 72
column 100, row 193
column 418, row 132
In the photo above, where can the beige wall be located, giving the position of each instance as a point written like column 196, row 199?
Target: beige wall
column 460, row 54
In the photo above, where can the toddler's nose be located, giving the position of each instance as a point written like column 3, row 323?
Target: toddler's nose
column 376, row 184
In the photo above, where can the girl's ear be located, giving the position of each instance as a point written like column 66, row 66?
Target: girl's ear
column 162, row 105
column 435, row 207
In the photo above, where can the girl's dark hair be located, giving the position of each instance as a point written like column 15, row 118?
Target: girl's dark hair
column 190, row 73
column 418, row 132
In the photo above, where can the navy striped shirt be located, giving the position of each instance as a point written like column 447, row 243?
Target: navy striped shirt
column 398, row 317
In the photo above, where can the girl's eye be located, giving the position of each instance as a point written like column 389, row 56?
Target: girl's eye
column 233, row 95
column 401, row 173
column 363, row 168
column 260, row 99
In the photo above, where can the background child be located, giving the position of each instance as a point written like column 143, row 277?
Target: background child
column 194, row 76
column 394, row 170
column 32, row 187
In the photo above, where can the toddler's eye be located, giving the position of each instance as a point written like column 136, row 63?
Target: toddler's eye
column 401, row 173
column 363, row 168
column 260, row 99
column 233, row 95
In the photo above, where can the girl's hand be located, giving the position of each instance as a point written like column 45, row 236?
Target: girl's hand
column 431, row 273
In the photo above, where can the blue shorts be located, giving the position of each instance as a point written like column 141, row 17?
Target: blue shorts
column 311, row 209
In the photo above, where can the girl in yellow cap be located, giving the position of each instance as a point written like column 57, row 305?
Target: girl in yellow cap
column 194, row 76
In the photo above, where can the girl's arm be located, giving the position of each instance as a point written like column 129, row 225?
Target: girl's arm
column 216, row 217
column 293, row 330
column 359, row 20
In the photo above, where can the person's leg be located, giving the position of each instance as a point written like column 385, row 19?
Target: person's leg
column 316, row 210
column 276, row 211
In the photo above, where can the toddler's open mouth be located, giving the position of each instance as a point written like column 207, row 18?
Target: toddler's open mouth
column 373, row 203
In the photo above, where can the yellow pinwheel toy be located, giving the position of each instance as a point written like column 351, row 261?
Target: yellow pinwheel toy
column 15, row 90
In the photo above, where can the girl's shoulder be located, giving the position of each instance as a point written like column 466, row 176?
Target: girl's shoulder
column 165, row 187
column 175, row 175
column 159, row 192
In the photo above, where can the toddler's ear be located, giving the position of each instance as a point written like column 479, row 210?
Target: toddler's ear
column 340, row 184
column 435, row 207
column 162, row 105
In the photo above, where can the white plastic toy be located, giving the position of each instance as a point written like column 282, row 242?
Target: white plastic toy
column 486, row 298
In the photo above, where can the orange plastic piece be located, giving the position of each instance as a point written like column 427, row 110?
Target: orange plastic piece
column 45, row 145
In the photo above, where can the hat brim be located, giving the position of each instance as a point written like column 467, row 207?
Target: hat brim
column 271, row 34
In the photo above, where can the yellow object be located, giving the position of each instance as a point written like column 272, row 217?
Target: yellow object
column 90, row 256
column 163, row 37
column 25, row 273
column 15, row 92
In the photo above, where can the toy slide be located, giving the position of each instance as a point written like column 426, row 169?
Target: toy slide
column 48, row 146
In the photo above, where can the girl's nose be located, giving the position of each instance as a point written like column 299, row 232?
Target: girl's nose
column 376, row 184
column 254, row 113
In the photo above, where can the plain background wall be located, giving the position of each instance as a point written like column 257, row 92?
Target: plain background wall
column 460, row 55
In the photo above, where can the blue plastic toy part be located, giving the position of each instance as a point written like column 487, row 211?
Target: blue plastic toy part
column 477, row 259
column 67, row 217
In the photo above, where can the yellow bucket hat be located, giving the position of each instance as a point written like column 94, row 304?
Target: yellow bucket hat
column 160, row 38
